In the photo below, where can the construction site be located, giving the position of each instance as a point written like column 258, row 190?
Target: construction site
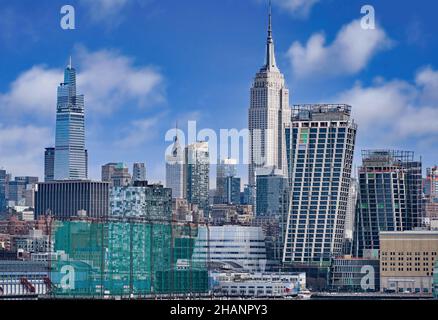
column 116, row 258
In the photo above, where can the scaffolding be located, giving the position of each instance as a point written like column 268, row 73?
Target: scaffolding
column 126, row 258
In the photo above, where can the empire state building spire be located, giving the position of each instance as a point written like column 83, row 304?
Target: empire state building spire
column 270, row 52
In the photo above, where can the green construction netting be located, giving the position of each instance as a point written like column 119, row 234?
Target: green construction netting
column 125, row 259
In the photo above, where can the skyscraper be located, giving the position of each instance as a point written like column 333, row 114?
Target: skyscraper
column 3, row 184
column 175, row 170
column 320, row 145
column 49, row 164
column 196, row 174
column 226, row 171
column 389, row 196
column 270, row 189
column 351, row 209
column 139, row 172
column 70, row 153
column 269, row 111
column 430, row 190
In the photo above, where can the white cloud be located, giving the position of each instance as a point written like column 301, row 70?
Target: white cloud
column 108, row 79
column 106, row 11
column 297, row 7
column 34, row 91
column 22, row 149
column 397, row 109
column 348, row 54
column 139, row 132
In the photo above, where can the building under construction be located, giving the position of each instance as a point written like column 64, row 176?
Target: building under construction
column 125, row 258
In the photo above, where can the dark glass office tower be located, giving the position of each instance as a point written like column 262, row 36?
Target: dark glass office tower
column 389, row 197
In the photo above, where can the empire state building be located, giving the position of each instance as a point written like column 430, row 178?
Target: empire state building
column 269, row 111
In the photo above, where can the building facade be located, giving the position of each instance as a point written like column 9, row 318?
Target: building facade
column 66, row 199
column 226, row 171
column 139, row 172
column 266, row 285
column 407, row 261
column 389, row 196
column 49, row 164
column 197, row 175
column 117, row 174
column 175, row 170
column 231, row 247
column 149, row 201
column 3, row 187
column 320, row 144
column 348, row 274
column 21, row 191
column 271, row 189
column 269, row 111
column 70, row 153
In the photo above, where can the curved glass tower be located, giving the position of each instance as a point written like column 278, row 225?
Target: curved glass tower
column 70, row 153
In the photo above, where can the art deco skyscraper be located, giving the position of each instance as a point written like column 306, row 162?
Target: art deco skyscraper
column 70, row 153
column 269, row 111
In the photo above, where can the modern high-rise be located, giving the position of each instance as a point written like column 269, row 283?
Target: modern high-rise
column 320, row 143
column 139, row 172
column 351, row 209
column 389, row 197
column 430, row 190
column 175, row 170
column 196, row 174
column 269, row 111
column 232, row 190
column 70, row 153
column 116, row 173
column 271, row 189
column 49, row 164
column 227, row 184
column 3, row 184
column 431, row 184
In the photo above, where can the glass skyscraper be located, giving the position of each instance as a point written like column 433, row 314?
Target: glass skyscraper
column 389, row 196
column 70, row 153
column 3, row 185
column 49, row 164
column 319, row 145
column 227, row 184
column 270, row 189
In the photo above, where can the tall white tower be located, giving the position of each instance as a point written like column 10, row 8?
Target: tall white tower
column 269, row 111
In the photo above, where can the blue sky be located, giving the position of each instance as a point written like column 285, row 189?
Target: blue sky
column 144, row 64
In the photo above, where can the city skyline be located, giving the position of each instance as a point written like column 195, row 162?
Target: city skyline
column 152, row 107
